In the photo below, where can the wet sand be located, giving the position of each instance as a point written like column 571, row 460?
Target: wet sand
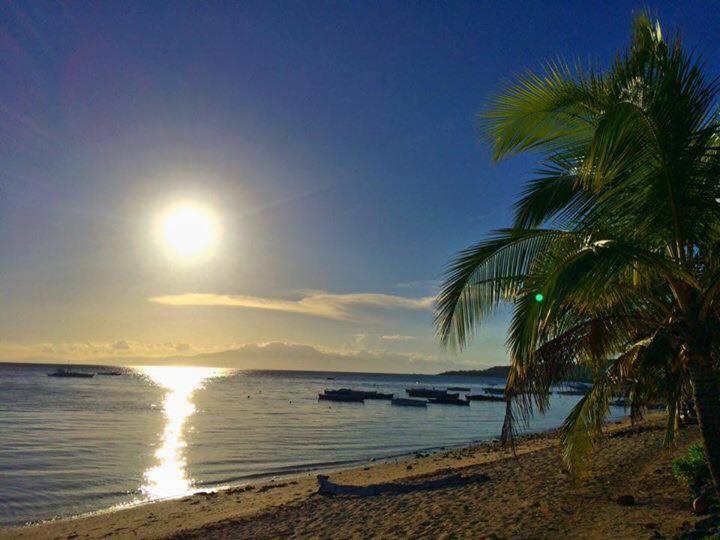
column 527, row 497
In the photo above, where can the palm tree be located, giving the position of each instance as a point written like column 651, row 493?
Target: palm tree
column 614, row 248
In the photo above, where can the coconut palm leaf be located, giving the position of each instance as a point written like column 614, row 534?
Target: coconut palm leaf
column 619, row 233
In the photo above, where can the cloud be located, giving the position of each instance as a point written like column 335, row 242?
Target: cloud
column 360, row 337
column 427, row 284
column 314, row 303
column 397, row 337
column 93, row 350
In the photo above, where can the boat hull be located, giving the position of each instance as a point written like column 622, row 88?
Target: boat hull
column 405, row 402
column 440, row 401
column 430, row 393
column 482, row 397
column 365, row 394
column 341, row 398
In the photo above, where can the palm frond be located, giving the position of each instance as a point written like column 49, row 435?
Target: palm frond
column 483, row 276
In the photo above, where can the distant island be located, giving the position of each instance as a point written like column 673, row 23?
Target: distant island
column 578, row 373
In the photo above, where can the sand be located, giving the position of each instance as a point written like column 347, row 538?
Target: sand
column 525, row 497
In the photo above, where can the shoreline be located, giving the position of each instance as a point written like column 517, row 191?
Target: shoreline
column 250, row 504
column 267, row 479
column 312, row 469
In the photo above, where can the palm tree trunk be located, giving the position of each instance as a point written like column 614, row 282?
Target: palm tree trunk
column 707, row 405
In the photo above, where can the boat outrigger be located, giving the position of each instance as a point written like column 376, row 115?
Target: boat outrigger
column 407, row 402
column 430, row 393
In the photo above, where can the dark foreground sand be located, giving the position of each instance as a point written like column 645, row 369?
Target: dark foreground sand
column 528, row 497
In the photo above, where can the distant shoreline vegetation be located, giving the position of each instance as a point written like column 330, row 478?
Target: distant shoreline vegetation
column 495, row 371
column 578, row 373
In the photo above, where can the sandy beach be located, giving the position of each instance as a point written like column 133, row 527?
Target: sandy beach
column 527, row 497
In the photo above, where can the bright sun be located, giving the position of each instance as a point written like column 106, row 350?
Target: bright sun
column 188, row 231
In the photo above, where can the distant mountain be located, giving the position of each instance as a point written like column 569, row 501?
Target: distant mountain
column 578, row 373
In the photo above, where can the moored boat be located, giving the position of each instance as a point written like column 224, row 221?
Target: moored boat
column 449, row 401
column 493, row 390
column 110, row 373
column 429, row 393
column 459, row 388
column 377, row 395
column 483, row 397
column 348, row 398
column 576, row 392
column 407, row 402
column 365, row 394
column 66, row 373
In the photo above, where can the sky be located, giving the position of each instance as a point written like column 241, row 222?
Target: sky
column 333, row 146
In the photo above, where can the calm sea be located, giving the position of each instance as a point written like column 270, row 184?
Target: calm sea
column 70, row 446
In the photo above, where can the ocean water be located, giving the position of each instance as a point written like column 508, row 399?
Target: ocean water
column 70, row 446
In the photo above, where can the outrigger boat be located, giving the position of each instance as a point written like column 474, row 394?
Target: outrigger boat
column 348, row 398
column 430, row 393
column 66, row 373
column 365, row 394
column 577, row 392
column 483, row 397
column 407, row 402
column 449, row 401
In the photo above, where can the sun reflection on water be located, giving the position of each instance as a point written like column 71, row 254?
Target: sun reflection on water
column 168, row 477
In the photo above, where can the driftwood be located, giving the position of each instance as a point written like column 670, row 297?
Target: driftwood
column 327, row 487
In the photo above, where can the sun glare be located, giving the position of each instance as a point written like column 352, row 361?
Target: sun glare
column 188, row 231
column 168, row 476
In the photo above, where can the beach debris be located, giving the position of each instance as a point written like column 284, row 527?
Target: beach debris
column 327, row 487
column 268, row 487
column 625, row 500
column 240, row 489
column 701, row 504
